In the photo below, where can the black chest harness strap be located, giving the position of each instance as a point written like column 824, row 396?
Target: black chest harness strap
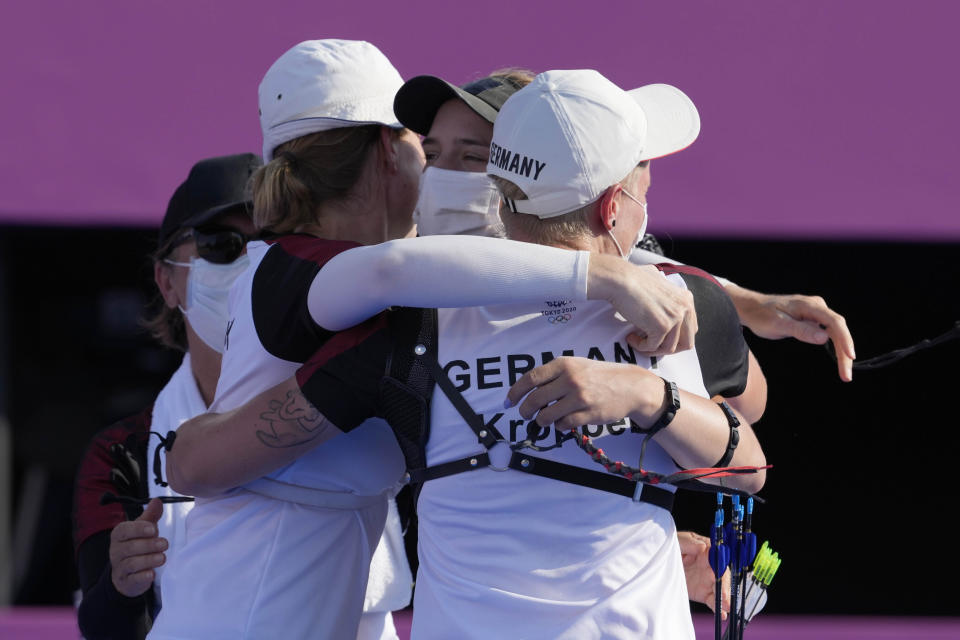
column 519, row 461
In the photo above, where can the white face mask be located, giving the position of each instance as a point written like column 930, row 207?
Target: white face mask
column 208, row 293
column 640, row 232
column 643, row 227
column 457, row 202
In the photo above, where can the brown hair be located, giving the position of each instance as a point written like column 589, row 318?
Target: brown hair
column 308, row 171
column 165, row 323
column 515, row 75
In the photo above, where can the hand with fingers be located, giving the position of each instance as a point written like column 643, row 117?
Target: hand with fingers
column 568, row 392
column 136, row 549
column 694, row 551
column 805, row 318
column 662, row 312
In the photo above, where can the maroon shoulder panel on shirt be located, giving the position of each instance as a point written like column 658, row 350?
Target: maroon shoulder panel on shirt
column 94, row 476
column 343, row 379
column 669, row 267
column 340, row 343
column 280, row 290
column 312, row 248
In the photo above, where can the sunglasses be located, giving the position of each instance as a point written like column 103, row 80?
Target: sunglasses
column 220, row 246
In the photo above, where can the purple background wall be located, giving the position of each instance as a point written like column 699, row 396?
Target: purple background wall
column 821, row 118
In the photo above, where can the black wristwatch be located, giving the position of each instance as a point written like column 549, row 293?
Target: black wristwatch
column 673, row 405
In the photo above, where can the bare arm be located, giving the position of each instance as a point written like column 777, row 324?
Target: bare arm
column 218, row 451
column 569, row 392
column 806, row 318
column 753, row 401
column 772, row 316
column 463, row 271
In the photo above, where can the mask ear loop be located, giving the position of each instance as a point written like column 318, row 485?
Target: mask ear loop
column 187, row 265
column 605, row 205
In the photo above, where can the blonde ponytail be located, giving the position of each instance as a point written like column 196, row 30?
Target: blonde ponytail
column 308, row 171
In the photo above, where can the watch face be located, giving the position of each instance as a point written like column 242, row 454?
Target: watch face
column 673, row 396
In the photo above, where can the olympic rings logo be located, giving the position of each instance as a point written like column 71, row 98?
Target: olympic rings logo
column 559, row 319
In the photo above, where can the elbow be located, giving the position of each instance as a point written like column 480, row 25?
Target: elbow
column 749, row 483
column 753, row 401
column 185, row 476
column 758, row 405
column 177, row 477
column 751, row 411
column 752, row 482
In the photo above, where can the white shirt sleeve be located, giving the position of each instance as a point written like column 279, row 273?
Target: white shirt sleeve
column 442, row 271
column 641, row 257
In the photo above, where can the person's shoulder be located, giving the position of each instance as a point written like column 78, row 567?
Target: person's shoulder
column 101, row 470
column 720, row 345
column 288, row 267
column 710, row 298
column 307, row 247
column 132, row 433
column 279, row 294
column 689, row 274
column 126, row 430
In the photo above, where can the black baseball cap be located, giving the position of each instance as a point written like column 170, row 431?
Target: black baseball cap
column 215, row 186
column 419, row 99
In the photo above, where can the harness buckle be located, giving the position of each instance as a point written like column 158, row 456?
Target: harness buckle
column 490, row 451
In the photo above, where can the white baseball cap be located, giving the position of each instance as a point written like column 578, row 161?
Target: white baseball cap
column 326, row 84
column 569, row 135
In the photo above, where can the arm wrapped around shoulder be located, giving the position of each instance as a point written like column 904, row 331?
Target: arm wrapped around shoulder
column 341, row 380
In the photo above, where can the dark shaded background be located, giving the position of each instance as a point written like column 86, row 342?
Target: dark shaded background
column 858, row 502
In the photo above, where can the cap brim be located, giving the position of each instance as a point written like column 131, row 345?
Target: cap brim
column 673, row 122
column 202, row 218
column 419, row 99
column 286, row 131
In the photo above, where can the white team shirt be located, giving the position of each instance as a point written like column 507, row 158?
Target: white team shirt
column 177, row 402
column 505, row 554
column 258, row 567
